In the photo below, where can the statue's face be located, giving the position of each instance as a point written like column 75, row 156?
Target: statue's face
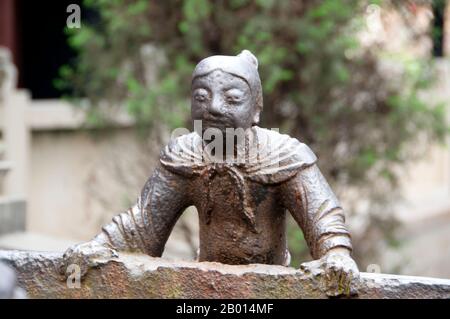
column 222, row 100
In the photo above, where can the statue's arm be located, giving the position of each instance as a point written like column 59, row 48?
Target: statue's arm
column 317, row 211
column 146, row 226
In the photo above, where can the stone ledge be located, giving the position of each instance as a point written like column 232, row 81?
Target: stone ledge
column 140, row 276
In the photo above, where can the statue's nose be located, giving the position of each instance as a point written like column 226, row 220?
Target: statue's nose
column 215, row 108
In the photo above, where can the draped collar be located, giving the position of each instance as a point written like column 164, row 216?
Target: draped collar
column 266, row 157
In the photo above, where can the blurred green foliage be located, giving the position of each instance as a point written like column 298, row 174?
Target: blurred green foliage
column 319, row 84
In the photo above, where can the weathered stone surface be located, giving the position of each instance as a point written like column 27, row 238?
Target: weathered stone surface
column 140, row 276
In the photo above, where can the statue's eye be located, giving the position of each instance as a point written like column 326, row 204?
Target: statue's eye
column 234, row 96
column 201, row 95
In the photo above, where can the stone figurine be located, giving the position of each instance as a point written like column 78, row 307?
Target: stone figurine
column 242, row 201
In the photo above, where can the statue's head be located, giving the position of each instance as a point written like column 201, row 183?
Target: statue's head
column 226, row 91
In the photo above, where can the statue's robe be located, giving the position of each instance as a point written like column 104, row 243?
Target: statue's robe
column 241, row 202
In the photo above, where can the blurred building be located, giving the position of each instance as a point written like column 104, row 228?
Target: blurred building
column 60, row 182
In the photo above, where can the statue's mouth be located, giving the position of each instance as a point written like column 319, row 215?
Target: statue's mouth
column 219, row 123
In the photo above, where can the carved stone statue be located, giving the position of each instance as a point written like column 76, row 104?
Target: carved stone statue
column 242, row 194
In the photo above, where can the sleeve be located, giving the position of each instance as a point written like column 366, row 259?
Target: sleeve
column 317, row 211
column 146, row 226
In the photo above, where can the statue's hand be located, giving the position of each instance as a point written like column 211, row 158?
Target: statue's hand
column 340, row 270
column 85, row 256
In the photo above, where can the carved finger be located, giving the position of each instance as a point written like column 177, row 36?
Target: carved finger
column 346, row 282
column 332, row 279
column 308, row 266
